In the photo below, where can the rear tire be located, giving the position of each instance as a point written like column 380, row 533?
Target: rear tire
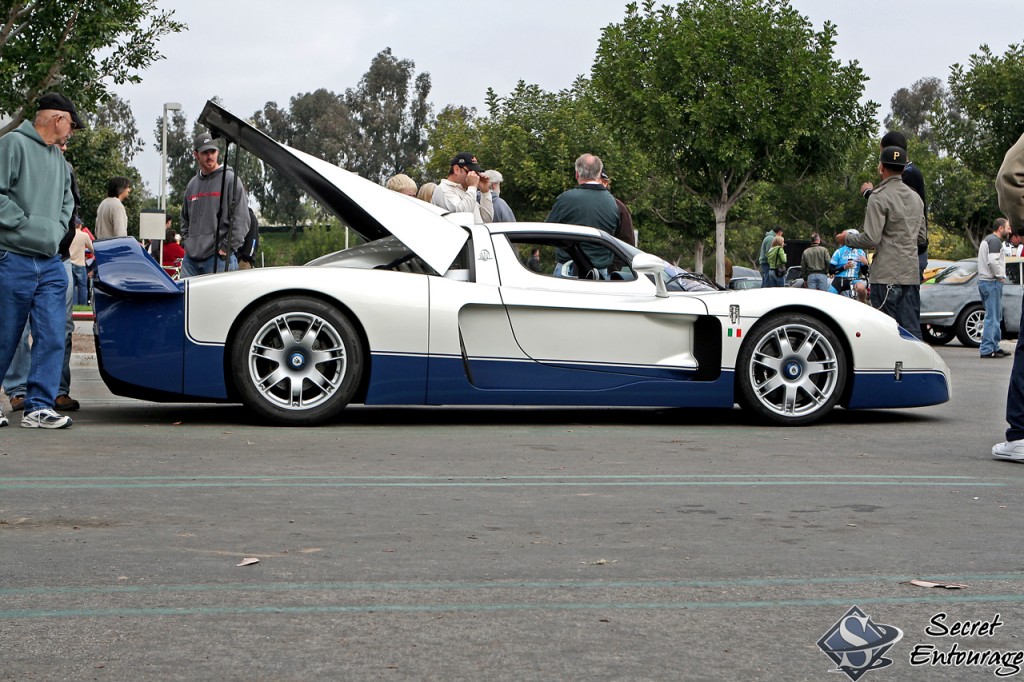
column 297, row 361
column 791, row 370
column 970, row 325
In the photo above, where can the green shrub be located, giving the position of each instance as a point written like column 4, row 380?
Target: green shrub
column 317, row 241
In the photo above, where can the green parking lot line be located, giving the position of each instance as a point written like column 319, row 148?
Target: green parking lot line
column 378, row 587
column 540, row 481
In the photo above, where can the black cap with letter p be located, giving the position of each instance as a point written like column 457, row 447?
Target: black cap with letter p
column 894, row 156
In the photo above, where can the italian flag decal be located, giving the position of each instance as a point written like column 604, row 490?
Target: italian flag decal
column 739, row 332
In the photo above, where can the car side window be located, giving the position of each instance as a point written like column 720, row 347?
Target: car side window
column 1013, row 272
column 571, row 257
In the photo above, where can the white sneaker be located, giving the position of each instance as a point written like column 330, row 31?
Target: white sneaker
column 1012, row 450
column 45, row 419
column 3, row 419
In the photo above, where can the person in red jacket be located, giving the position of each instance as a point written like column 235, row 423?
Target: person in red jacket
column 173, row 253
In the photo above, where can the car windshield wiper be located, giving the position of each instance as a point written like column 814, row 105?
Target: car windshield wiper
column 695, row 277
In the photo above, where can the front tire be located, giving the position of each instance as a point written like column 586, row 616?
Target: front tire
column 936, row 335
column 970, row 326
column 791, row 370
column 297, row 361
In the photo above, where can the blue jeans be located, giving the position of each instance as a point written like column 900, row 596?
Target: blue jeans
column 191, row 267
column 17, row 374
column 991, row 291
column 69, row 330
column 902, row 302
column 81, row 277
column 817, row 281
column 34, row 290
column 764, row 274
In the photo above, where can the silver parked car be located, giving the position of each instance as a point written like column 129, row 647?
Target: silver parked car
column 951, row 306
column 745, row 278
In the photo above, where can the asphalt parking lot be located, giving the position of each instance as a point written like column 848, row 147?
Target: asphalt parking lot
column 507, row 544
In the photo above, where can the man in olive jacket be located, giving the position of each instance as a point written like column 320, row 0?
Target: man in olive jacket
column 894, row 226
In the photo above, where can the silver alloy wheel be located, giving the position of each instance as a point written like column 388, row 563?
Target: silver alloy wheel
column 794, row 370
column 974, row 325
column 297, row 360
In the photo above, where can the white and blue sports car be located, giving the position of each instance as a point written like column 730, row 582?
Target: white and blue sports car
column 435, row 310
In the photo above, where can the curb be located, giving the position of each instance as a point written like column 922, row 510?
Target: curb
column 84, row 360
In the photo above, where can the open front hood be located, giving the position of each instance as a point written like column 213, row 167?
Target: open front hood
column 367, row 208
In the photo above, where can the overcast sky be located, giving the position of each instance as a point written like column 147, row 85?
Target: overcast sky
column 249, row 52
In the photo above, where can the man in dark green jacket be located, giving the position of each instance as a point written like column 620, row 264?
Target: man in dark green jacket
column 589, row 203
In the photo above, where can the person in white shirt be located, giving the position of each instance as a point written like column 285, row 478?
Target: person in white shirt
column 111, row 218
column 458, row 192
column 991, row 276
column 1016, row 248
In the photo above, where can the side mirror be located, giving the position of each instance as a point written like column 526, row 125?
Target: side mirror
column 649, row 264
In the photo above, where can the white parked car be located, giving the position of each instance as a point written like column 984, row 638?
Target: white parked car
column 435, row 310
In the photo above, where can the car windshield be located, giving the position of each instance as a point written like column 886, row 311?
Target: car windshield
column 957, row 273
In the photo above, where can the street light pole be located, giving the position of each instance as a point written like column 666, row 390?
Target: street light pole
column 168, row 106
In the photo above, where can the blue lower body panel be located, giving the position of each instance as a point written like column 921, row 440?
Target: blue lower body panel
column 533, row 383
column 143, row 352
column 140, row 342
column 884, row 390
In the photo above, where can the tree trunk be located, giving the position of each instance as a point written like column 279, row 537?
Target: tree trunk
column 698, row 258
column 721, row 211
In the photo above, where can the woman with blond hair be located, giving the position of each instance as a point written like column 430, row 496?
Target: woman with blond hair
column 426, row 192
column 402, row 184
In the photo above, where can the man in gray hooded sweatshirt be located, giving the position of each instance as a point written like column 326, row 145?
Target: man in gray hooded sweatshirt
column 204, row 206
column 36, row 205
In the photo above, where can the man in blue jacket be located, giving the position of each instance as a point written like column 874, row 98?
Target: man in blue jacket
column 36, row 205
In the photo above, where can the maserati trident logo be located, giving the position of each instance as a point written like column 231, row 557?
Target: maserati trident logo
column 857, row 645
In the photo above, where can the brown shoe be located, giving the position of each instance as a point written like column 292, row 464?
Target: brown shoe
column 66, row 403
column 17, row 403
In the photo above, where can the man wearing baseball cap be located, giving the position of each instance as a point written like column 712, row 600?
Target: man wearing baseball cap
column 459, row 191
column 36, row 205
column 213, row 226
column 893, row 226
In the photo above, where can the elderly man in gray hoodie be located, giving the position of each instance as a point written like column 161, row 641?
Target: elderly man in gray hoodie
column 36, row 205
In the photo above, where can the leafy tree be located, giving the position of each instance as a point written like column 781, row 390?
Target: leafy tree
column 116, row 114
column 912, row 108
column 95, row 154
column 985, row 114
column 316, row 123
column 723, row 93
column 960, row 199
column 389, row 112
column 534, row 137
column 76, row 47
column 454, row 130
column 376, row 130
column 825, row 203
